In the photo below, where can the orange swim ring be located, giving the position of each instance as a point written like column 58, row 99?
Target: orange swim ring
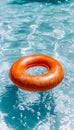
column 41, row 82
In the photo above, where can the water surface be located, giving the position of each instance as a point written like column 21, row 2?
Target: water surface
column 37, row 27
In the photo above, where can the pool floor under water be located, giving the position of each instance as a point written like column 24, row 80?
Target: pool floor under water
column 37, row 27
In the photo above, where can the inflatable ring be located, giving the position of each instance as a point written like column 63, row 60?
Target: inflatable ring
column 41, row 82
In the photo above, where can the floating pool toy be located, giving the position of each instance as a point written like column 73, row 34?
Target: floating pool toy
column 41, row 82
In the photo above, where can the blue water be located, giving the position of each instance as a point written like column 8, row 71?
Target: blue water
column 30, row 27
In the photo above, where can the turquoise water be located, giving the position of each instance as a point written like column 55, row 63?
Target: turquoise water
column 30, row 27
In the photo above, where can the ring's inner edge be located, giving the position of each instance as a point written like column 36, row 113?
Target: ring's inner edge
column 37, row 69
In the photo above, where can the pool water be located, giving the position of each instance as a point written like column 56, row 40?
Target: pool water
column 37, row 27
